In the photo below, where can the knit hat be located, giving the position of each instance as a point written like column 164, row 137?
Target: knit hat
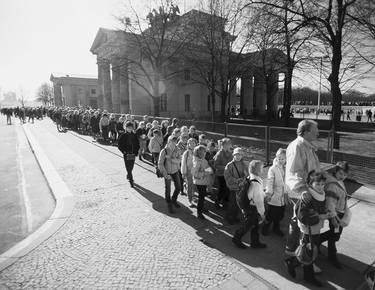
column 128, row 124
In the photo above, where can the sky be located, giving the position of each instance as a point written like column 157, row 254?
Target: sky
column 40, row 37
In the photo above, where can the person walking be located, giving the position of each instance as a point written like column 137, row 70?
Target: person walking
column 234, row 173
column 301, row 159
column 169, row 164
column 128, row 144
column 186, row 167
column 201, row 171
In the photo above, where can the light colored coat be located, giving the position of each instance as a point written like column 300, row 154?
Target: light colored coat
column 169, row 165
column 187, row 162
column 256, row 194
column 200, row 175
column 336, row 196
column 275, row 185
column 156, row 144
column 300, row 160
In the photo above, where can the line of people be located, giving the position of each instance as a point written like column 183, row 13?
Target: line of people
column 31, row 113
column 195, row 164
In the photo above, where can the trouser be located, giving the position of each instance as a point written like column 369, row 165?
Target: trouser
column 294, row 234
column 249, row 223
column 155, row 158
column 9, row 120
column 105, row 132
column 177, row 187
column 201, row 194
column 190, row 186
column 181, row 180
column 223, row 192
column 332, row 236
column 275, row 214
column 113, row 135
column 129, row 165
column 233, row 210
column 308, row 270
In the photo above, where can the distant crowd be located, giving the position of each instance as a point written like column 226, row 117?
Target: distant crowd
column 199, row 166
column 23, row 113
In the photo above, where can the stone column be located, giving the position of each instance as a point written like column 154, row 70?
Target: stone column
column 232, row 98
column 100, row 92
column 116, row 86
column 124, row 88
column 260, row 95
column 273, row 88
column 57, row 94
column 107, row 89
column 247, row 95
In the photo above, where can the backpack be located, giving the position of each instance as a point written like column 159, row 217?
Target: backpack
column 242, row 197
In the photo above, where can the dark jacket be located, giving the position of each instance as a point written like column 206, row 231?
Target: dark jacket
column 128, row 143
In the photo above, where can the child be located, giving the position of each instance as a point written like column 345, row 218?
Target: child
column 276, row 194
column 221, row 159
column 193, row 133
column 201, row 170
column 311, row 213
column 202, row 140
column 251, row 204
column 142, row 137
column 187, row 166
column 112, row 128
column 235, row 173
column 336, row 203
column 210, row 154
column 155, row 146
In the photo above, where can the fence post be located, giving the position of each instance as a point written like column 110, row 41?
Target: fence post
column 225, row 129
column 328, row 155
column 332, row 141
column 267, row 139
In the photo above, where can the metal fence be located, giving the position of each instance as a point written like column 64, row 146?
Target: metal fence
column 262, row 142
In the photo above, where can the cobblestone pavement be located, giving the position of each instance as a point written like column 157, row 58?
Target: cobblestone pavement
column 123, row 238
column 113, row 240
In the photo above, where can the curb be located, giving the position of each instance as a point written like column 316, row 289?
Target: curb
column 64, row 206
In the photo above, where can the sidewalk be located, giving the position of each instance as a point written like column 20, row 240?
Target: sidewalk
column 113, row 238
column 118, row 237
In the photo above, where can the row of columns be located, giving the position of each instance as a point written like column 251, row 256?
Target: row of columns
column 57, row 94
column 253, row 94
column 113, row 94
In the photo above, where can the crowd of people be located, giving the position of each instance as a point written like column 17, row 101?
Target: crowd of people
column 23, row 113
column 195, row 164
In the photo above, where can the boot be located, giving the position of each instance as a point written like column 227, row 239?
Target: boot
column 291, row 265
column 170, row 208
column 308, row 276
column 237, row 241
column 332, row 258
column 176, row 205
column 265, row 228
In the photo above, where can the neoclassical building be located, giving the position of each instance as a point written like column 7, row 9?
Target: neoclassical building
column 75, row 90
column 182, row 95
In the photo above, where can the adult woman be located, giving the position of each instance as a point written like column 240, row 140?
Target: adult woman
column 128, row 144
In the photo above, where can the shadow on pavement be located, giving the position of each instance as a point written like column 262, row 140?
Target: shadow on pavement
column 215, row 234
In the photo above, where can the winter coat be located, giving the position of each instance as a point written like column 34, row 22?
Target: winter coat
column 235, row 172
column 308, row 209
column 104, row 121
column 200, row 175
column 156, row 144
column 128, row 143
column 221, row 159
column 169, row 165
column 275, row 185
column 187, row 162
column 300, row 160
column 336, row 196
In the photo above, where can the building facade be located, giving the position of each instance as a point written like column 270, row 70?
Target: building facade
column 75, row 90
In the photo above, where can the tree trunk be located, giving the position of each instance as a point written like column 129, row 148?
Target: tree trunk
column 156, row 96
column 336, row 93
column 287, row 97
column 222, row 109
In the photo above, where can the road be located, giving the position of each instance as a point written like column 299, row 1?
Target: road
column 25, row 198
column 120, row 237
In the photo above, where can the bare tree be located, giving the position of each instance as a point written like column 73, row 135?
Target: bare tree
column 44, row 94
column 214, row 54
column 332, row 21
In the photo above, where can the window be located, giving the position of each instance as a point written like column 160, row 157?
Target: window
column 163, row 102
column 208, row 103
column 187, row 103
column 93, row 91
column 187, row 75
